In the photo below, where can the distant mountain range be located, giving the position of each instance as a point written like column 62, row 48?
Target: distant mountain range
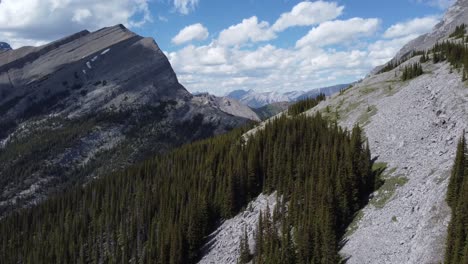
column 4, row 46
column 256, row 100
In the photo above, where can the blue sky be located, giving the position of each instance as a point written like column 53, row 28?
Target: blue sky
column 218, row 46
column 218, row 15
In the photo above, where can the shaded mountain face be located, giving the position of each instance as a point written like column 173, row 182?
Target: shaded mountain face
column 270, row 110
column 89, row 104
column 257, row 100
column 4, row 46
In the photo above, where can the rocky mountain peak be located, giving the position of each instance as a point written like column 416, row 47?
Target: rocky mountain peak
column 456, row 15
column 110, row 91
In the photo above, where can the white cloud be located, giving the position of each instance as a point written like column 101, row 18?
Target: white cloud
column 81, row 14
column 381, row 51
column 308, row 13
column 189, row 33
column 338, row 31
column 416, row 26
column 442, row 4
column 248, row 30
column 185, row 6
column 219, row 69
column 34, row 22
column 163, row 18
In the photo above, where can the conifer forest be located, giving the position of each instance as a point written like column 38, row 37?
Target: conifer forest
column 161, row 210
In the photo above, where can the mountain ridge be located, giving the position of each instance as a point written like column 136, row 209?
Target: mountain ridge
column 87, row 104
column 259, row 99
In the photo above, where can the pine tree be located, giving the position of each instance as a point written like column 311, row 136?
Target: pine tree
column 458, row 172
column 244, row 249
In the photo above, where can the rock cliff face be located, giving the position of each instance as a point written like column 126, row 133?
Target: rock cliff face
column 88, row 104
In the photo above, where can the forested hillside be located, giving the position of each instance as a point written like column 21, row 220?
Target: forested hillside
column 161, row 210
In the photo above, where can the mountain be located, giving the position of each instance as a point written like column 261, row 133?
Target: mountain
column 257, row 100
column 89, row 104
column 4, row 46
column 227, row 105
column 270, row 110
column 328, row 91
column 456, row 15
column 412, row 127
column 372, row 174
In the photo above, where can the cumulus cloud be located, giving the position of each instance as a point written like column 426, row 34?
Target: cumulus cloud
column 219, row 69
column 381, row 51
column 248, row 30
column 34, row 22
column 185, row 6
column 308, row 13
column 189, row 33
column 415, row 26
column 225, row 64
column 338, row 31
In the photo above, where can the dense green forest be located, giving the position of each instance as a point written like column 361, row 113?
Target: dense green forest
column 317, row 210
column 161, row 211
column 457, row 198
column 305, row 104
column 459, row 31
column 411, row 71
column 455, row 53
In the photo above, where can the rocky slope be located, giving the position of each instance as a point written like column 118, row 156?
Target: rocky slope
column 227, row 105
column 88, row 104
column 257, row 100
column 223, row 244
column 412, row 128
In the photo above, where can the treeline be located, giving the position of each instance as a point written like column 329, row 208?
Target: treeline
column 161, row 211
column 307, row 226
column 305, row 104
column 457, row 198
column 455, row 53
column 459, row 32
column 411, row 71
column 395, row 63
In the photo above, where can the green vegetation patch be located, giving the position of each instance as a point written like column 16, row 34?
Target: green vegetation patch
column 355, row 224
column 367, row 90
column 304, row 105
column 387, row 190
column 364, row 118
